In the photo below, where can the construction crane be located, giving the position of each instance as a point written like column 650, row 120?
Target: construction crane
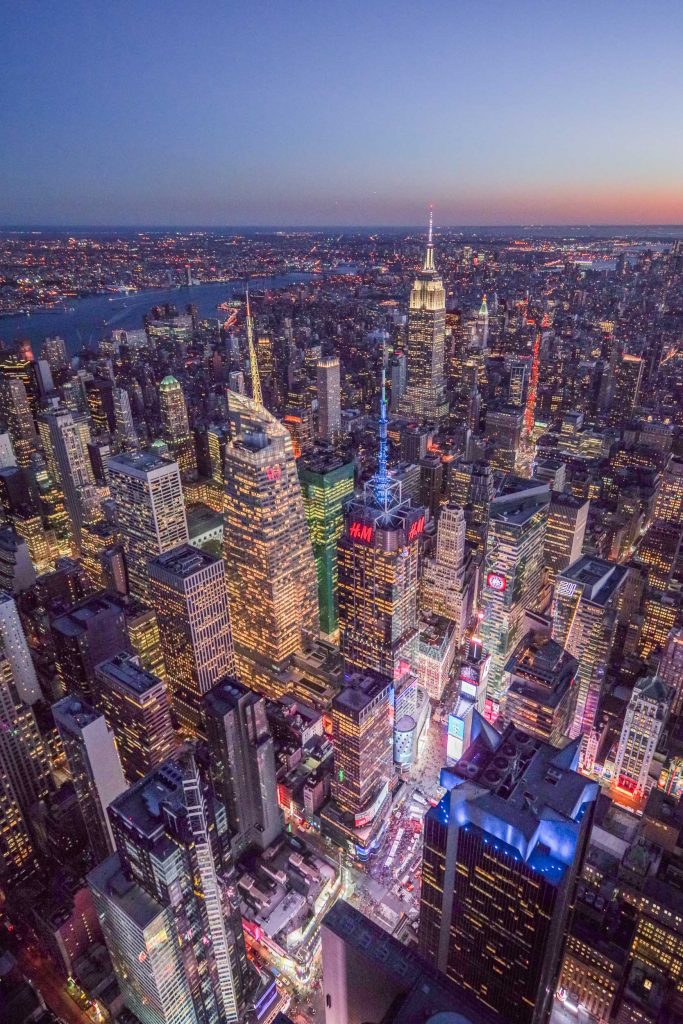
column 253, row 363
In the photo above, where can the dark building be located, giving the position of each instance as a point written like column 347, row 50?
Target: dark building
column 243, row 763
column 502, row 851
column 86, row 635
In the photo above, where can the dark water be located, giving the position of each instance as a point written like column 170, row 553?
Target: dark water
column 93, row 318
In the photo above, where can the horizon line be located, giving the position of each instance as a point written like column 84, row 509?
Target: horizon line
column 525, row 226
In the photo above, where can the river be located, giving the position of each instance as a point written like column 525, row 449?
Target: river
column 87, row 320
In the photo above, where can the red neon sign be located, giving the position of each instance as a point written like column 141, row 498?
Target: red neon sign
column 417, row 528
column 361, row 531
column 496, row 582
column 273, row 472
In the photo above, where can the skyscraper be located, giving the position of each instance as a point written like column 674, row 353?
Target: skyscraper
column 271, row 573
column 64, row 436
column 94, row 766
column 83, row 637
column 644, row 721
column 565, row 531
column 24, row 774
column 136, row 706
column 540, row 689
column 150, row 512
column 362, row 735
column 512, row 572
column 449, row 580
column 188, row 591
column 171, row 927
column 501, row 854
column 670, row 668
column 126, row 434
column 326, row 484
column 19, row 417
column 378, row 571
column 425, row 394
column 329, row 399
column 13, row 642
column 175, row 425
column 242, row 760
column 584, row 621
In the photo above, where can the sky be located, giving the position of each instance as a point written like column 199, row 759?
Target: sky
column 337, row 112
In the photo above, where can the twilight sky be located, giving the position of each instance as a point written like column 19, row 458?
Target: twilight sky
column 247, row 112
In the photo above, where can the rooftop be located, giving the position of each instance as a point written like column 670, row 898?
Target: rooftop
column 599, row 578
column 126, row 670
column 184, row 561
column 137, row 463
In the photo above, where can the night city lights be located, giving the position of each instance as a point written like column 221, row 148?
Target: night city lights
column 341, row 513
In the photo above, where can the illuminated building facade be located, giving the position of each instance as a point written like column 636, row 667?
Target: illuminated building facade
column 64, row 437
column 668, row 504
column 584, row 621
column 670, row 669
column 362, row 735
column 13, row 644
column 175, row 425
column 19, row 418
column 271, row 573
column 189, row 594
column 94, row 767
column 644, row 720
column 329, row 399
column 513, row 570
column 95, row 537
column 84, row 636
column 378, row 571
column 326, row 484
column 177, row 947
column 24, row 774
column 126, row 434
column 660, row 613
column 449, row 580
column 501, row 854
column 425, row 394
column 143, row 632
column 565, row 532
column 136, row 707
column 150, row 511
column 243, row 764
column 540, row 689
column 658, row 551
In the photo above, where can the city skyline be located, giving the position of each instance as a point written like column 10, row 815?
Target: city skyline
column 496, row 115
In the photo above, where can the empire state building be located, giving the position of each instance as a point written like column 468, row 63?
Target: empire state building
column 425, row 394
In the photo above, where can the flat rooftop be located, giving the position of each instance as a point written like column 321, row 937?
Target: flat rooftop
column 185, row 560
column 599, row 578
column 138, row 462
column 127, row 672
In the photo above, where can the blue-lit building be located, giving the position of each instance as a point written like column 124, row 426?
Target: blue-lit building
column 501, row 854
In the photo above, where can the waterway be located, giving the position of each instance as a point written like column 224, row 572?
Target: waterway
column 86, row 321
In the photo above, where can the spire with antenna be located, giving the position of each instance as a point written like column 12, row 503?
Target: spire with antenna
column 429, row 255
column 253, row 362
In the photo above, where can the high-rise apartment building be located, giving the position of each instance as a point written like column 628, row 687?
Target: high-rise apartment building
column 329, row 398
column 145, row 639
column 658, row 551
column 501, row 854
column 668, row 504
column 13, row 643
column 397, row 370
column 136, row 707
column 584, row 621
column 448, row 582
column 271, row 572
column 94, row 766
column 242, row 759
column 150, row 511
column 565, row 532
column 188, row 591
column 540, row 689
column 326, row 485
column 513, row 570
column 65, row 436
column 644, row 721
column 171, row 926
column 425, row 394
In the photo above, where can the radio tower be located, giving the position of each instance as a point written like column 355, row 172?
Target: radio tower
column 253, row 363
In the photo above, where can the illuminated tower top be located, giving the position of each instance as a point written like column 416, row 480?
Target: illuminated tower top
column 381, row 491
column 428, row 265
column 253, row 362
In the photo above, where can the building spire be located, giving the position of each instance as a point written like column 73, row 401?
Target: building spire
column 429, row 255
column 381, row 481
column 253, row 362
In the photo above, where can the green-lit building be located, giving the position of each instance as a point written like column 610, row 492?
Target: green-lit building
column 326, row 484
